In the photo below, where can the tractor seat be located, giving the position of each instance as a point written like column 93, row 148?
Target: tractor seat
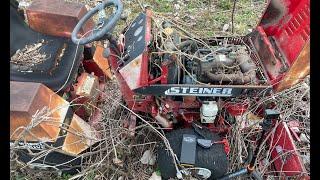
column 62, row 56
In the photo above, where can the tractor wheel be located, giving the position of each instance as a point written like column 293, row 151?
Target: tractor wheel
column 213, row 158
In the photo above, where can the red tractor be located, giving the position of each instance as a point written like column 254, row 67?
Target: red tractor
column 194, row 95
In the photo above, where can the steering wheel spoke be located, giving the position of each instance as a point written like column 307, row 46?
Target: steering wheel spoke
column 104, row 26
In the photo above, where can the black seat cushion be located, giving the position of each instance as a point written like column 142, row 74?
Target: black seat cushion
column 52, row 72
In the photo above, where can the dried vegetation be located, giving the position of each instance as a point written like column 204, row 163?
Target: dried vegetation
column 117, row 155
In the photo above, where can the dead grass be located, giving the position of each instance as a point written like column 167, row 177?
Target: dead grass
column 29, row 56
column 204, row 19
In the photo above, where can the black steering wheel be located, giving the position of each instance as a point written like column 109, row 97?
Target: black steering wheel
column 107, row 24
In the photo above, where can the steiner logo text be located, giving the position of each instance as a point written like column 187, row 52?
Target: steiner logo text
column 199, row 91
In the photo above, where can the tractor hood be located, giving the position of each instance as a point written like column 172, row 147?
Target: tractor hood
column 282, row 40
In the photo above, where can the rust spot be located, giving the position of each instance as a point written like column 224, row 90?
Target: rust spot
column 56, row 17
column 77, row 139
column 27, row 98
column 87, row 85
column 298, row 71
column 135, row 63
column 101, row 61
column 132, row 72
column 58, row 57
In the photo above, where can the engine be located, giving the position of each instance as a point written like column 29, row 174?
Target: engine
column 221, row 63
column 176, row 78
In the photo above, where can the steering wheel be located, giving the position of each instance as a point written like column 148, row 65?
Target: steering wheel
column 107, row 24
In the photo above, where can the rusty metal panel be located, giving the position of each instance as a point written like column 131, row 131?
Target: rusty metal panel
column 273, row 65
column 27, row 99
column 56, row 17
column 132, row 73
column 87, row 86
column 77, row 139
column 298, row 71
column 86, row 93
column 101, row 61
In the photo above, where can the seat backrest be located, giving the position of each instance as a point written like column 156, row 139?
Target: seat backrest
column 20, row 32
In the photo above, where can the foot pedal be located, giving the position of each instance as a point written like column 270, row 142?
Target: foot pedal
column 188, row 150
column 205, row 143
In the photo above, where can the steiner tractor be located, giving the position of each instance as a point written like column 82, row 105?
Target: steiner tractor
column 195, row 95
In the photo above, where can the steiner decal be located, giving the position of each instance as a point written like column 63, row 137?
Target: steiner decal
column 30, row 145
column 199, row 91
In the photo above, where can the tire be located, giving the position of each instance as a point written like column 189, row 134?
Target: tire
column 214, row 158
